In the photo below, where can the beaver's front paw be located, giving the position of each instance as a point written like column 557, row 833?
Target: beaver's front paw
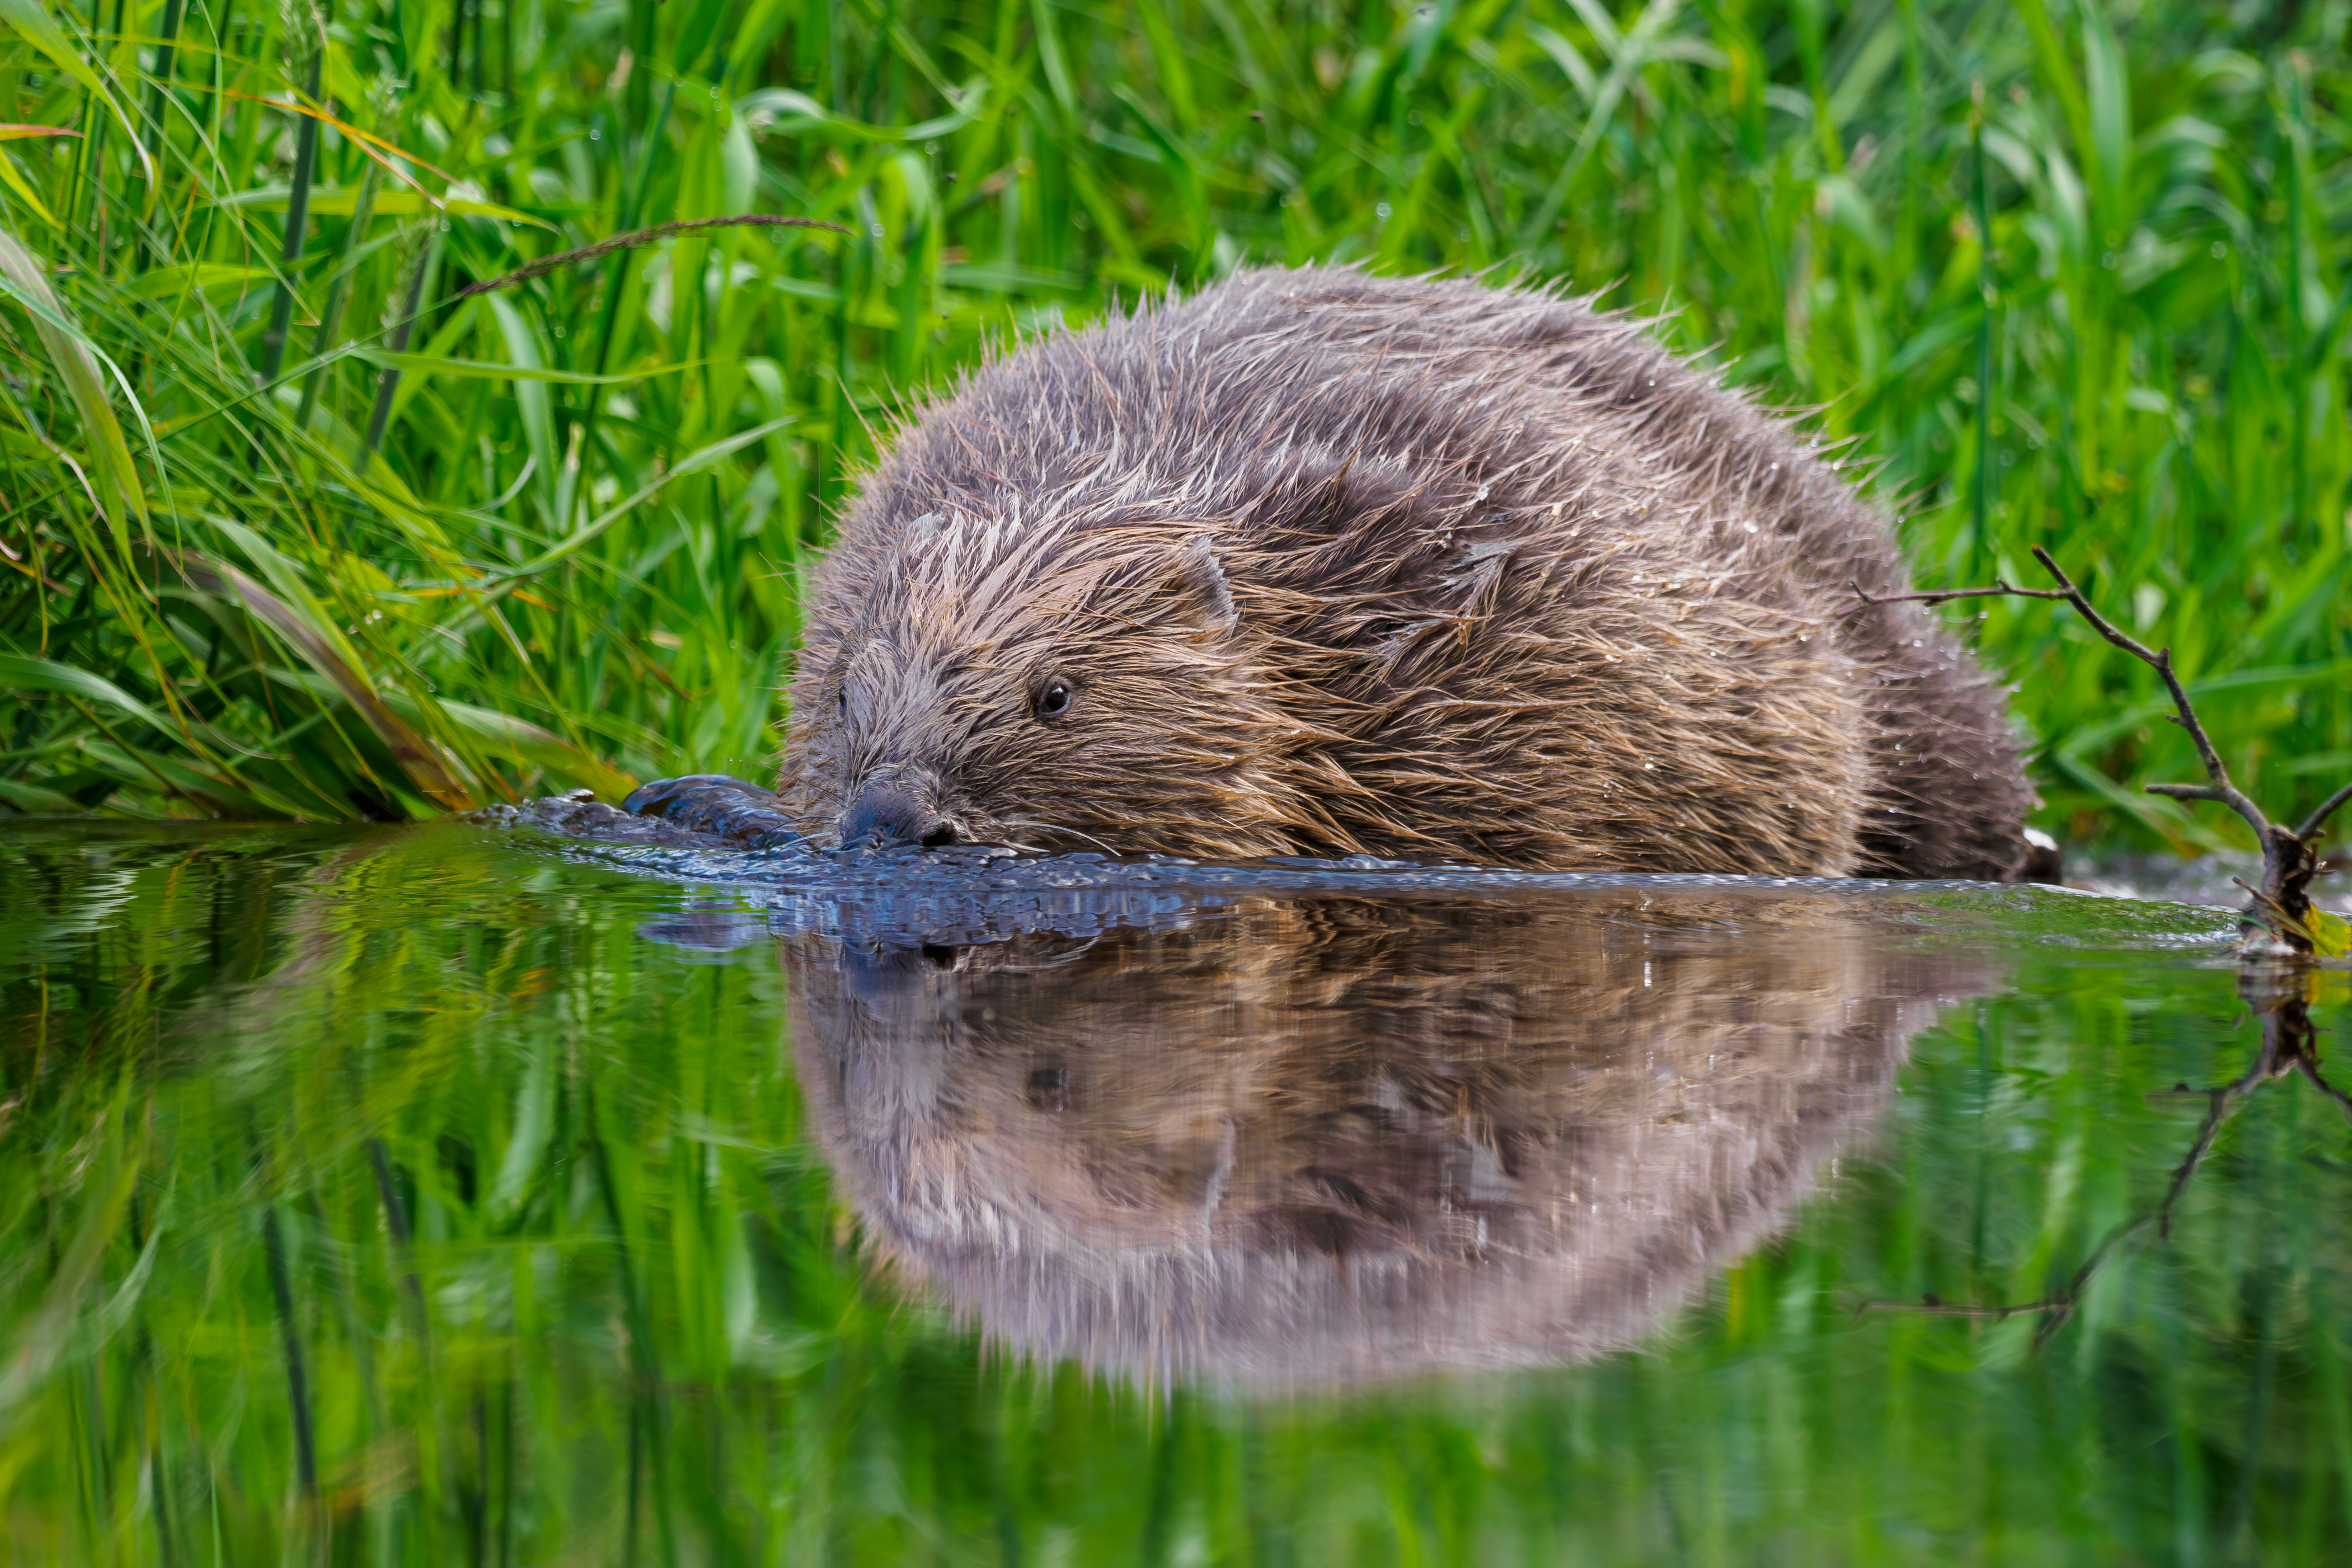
column 742, row 816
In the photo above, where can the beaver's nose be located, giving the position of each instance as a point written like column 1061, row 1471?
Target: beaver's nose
column 887, row 813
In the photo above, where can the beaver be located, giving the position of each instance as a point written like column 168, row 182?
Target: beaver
column 1335, row 1138
column 1316, row 562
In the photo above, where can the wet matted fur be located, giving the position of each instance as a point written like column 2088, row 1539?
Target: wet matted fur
column 1321, row 563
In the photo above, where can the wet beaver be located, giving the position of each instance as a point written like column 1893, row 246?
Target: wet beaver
column 1320, row 563
column 1336, row 1138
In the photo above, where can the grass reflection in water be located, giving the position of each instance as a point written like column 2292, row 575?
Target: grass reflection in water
column 532, row 1210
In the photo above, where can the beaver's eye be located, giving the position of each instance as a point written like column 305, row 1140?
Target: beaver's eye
column 1055, row 699
column 844, row 703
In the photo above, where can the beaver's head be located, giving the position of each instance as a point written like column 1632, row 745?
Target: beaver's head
column 1057, row 685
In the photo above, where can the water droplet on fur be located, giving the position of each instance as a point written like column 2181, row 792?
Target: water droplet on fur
column 1483, row 489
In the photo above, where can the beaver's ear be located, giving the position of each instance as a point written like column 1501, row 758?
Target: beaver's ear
column 1201, row 585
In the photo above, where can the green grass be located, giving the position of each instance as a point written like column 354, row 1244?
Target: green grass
column 471, row 585
column 535, row 1206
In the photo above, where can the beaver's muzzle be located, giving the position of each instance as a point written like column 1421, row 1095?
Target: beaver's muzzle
column 895, row 811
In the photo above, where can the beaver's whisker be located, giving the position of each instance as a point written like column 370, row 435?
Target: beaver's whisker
column 1057, row 828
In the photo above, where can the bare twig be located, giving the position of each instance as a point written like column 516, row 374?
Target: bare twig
column 2220, row 788
column 1944, row 596
column 547, row 264
column 2318, row 819
column 2282, row 903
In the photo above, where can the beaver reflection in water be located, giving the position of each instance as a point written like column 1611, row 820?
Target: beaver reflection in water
column 1319, row 562
column 1338, row 1138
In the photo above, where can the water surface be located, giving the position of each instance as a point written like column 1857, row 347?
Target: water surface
column 434, row 1195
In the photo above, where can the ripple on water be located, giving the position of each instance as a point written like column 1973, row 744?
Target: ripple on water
column 910, row 896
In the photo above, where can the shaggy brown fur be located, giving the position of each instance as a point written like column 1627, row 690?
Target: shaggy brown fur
column 1338, row 1138
column 1321, row 563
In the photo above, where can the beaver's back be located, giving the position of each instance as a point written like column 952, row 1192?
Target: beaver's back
column 1541, row 592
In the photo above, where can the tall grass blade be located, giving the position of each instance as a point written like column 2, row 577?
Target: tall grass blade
column 306, row 631
column 1819, row 198
column 31, row 21
column 297, row 218
column 120, row 493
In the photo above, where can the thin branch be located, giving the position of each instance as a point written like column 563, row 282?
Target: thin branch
column 2161, row 660
column 2312, row 823
column 2186, row 792
column 547, row 264
column 2284, row 855
column 1944, row 596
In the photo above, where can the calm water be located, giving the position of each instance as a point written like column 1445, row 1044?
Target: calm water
column 433, row 1196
